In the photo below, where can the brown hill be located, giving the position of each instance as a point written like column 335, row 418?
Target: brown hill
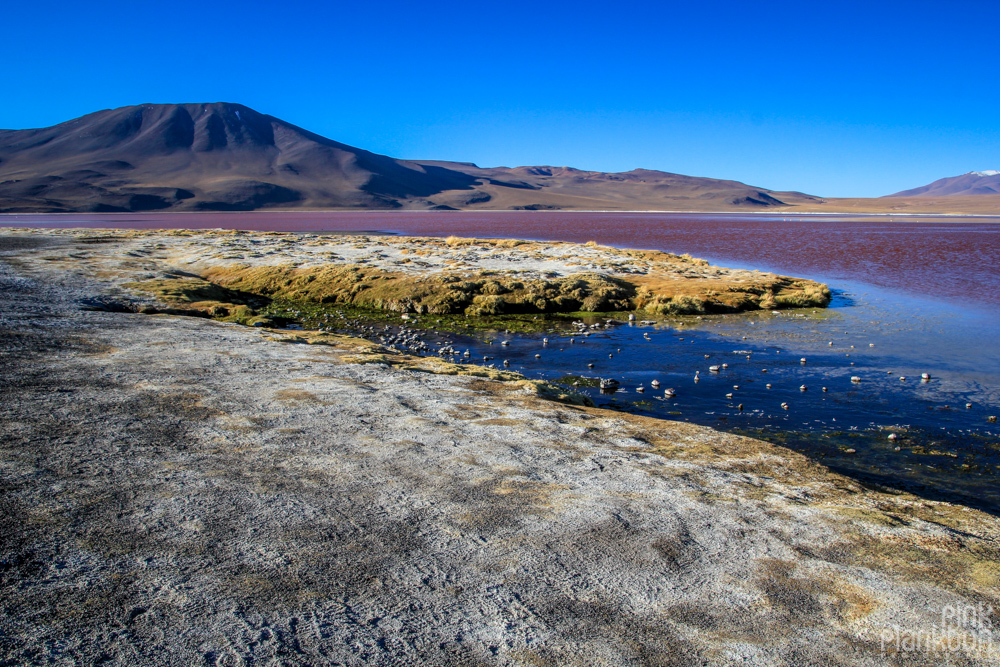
column 199, row 157
column 541, row 188
column 228, row 157
column 972, row 183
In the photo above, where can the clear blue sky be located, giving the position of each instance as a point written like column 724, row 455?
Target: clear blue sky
column 830, row 98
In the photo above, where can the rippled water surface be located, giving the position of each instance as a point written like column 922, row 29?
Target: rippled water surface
column 912, row 295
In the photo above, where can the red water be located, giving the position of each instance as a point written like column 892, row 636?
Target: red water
column 951, row 258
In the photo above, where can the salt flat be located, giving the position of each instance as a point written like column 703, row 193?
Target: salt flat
column 180, row 490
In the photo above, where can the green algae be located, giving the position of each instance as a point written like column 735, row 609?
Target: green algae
column 578, row 381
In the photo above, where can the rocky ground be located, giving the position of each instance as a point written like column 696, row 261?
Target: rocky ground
column 178, row 490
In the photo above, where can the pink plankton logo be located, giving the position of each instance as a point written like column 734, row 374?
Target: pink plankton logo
column 965, row 629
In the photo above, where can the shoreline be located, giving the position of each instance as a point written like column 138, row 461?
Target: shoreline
column 774, row 213
column 205, row 486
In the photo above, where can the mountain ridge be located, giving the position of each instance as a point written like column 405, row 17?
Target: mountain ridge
column 976, row 183
column 228, row 157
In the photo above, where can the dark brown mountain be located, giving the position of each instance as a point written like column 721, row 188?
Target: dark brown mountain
column 228, row 157
column 972, row 183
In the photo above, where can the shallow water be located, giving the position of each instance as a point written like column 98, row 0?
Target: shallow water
column 912, row 296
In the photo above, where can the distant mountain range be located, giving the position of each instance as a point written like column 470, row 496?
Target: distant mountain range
column 972, row 183
column 228, row 157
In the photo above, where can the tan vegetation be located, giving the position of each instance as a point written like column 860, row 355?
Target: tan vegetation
column 236, row 276
column 456, row 276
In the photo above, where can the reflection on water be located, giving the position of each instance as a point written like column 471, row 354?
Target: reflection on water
column 912, row 296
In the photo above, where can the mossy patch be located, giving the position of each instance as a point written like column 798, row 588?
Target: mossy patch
column 611, row 281
column 474, row 294
column 679, row 295
column 578, row 381
column 196, row 296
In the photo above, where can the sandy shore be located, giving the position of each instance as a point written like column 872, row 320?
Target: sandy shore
column 183, row 490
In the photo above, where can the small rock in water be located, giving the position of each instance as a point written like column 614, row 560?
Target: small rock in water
column 784, row 406
column 655, row 383
column 893, row 436
column 855, row 378
column 802, row 388
column 925, row 376
column 538, row 356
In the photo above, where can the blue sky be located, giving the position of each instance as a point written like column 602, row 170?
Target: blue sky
column 834, row 98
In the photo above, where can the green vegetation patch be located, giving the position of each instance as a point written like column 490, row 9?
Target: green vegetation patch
column 199, row 297
column 578, row 381
column 476, row 295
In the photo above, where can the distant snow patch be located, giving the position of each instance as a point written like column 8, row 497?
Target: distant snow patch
column 985, row 173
